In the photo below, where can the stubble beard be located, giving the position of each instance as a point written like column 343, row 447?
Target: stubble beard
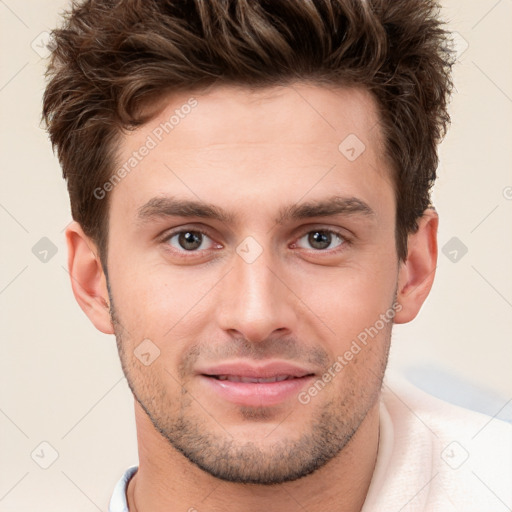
column 274, row 459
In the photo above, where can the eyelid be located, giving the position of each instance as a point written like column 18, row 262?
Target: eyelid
column 346, row 239
column 168, row 234
column 343, row 233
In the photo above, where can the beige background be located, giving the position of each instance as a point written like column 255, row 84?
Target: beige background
column 61, row 381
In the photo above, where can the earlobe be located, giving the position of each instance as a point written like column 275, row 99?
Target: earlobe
column 87, row 278
column 416, row 274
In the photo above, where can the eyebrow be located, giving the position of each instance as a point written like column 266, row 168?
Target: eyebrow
column 168, row 206
column 173, row 207
column 335, row 205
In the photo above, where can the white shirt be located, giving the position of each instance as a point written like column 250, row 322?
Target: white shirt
column 432, row 457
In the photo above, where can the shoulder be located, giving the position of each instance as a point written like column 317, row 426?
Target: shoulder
column 443, row 418
column 118, row 501
column 470, row 454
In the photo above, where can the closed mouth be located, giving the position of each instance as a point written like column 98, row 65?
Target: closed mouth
column 255, row 380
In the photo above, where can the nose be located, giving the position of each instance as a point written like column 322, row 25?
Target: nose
column 255, row 301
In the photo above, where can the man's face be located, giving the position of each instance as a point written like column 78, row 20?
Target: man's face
column 247, row 243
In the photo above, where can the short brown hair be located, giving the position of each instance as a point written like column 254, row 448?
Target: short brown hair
column 111, row 57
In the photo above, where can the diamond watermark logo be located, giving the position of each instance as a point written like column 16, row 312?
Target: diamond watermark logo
column 147, row 352
column 455, row 455
column 459, row 44
column 44, row 455
column 249, row 250
column 454, row 249
column 352, row 147
column 44, row 250
column 43, row 44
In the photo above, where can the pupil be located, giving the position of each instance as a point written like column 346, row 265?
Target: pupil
column 190, row 240
column 320, row 239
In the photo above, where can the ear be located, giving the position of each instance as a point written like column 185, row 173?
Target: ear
column 417, row 272
column 87, row 278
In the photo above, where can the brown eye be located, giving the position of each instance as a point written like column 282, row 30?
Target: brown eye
column 320, row 240
column 189, row 241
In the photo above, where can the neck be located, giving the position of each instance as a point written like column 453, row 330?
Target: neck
column 167, row 481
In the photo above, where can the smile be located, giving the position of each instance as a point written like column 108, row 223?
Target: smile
column 238, row 378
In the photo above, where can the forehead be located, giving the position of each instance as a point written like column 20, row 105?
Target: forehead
column 285, row 140
column 231, row 114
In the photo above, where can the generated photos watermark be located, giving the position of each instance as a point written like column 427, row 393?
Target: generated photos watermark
column 361, row 341
column 151, row 142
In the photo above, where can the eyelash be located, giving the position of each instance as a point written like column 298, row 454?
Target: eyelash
column 183, row 253
column 345, row 241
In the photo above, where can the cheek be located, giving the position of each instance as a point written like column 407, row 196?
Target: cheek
column 349, row 300
column 161, row 302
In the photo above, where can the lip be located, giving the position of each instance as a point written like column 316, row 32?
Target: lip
column 263, row 371
column 256, row 394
